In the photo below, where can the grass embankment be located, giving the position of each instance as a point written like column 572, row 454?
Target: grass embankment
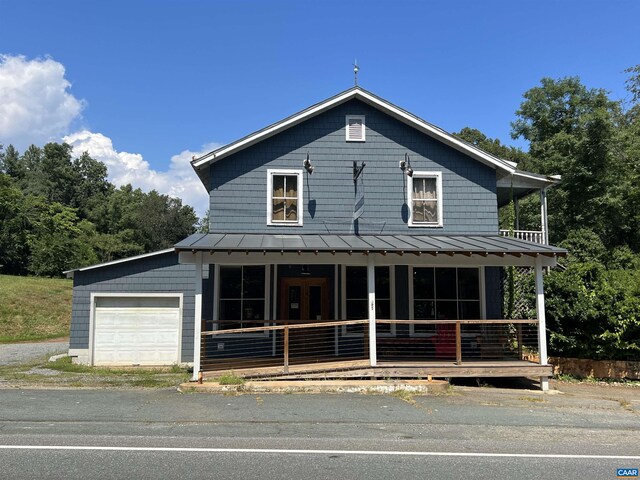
column 34, row 308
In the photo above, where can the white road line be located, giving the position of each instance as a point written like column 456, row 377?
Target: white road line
column 314, row 452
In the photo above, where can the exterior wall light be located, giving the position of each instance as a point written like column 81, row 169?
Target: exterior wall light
column 405, row 166
column 307, row 165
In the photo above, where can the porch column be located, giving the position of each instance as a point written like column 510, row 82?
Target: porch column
column 516, row 206
column 371, row 287
column 544, row 223
column 542, row 329
column 197, row 315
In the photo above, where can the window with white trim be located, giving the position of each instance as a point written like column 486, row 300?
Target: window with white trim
column 445, row 294
column 355, row 129
column 357, row 299
column 425, row 199
column 242, row 296
column 284, row 197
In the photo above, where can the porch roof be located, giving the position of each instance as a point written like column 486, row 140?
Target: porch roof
column 316, row 243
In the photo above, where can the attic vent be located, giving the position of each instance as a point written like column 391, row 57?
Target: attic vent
column 355, row 128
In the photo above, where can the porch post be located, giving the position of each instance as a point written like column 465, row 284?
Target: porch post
column 516, row 206
column 197, row 315
column 543, row 216
column 371, row 287
column 542, row 331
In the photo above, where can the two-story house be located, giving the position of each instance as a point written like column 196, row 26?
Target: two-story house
column 349, row 239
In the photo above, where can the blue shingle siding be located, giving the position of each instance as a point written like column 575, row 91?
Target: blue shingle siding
column 156, row 274
column 238, row 190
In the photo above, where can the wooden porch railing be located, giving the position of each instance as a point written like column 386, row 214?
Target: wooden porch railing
column 284, row 327
column 534, row 236
column 280, row 343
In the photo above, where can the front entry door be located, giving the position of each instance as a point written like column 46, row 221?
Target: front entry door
column 306, row 300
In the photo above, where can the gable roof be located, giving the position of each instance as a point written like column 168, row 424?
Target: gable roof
column 201, row 164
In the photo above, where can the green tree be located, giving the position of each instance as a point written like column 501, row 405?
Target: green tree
column 572, row 131
column 92, row 188
column 110, row 247
column 203, row 223
column 57, row 238
column 10, row 163
column 157, row 221
column 13, row 243
column 163, row 221
column 627, row 186
column 59, row 179
column 493, row 146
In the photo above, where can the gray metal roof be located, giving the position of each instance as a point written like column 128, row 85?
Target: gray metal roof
column 432, row 244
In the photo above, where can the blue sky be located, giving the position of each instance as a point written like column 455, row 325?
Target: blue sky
column 156, row 81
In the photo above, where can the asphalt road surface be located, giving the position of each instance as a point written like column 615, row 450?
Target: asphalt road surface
column 475, row 433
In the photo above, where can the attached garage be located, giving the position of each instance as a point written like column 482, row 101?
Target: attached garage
column 136, row 329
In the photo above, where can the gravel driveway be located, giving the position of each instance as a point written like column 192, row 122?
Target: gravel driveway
column 18, row 353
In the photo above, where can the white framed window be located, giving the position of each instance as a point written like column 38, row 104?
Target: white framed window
column 356, row 298
column 355, row 128
column 424, row 198
column 444, row 293
column 284, row 197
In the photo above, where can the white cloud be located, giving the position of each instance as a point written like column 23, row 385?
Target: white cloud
column 35, row 105
column 179, row 180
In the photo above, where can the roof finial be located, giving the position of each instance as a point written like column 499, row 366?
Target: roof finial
column 355, row 72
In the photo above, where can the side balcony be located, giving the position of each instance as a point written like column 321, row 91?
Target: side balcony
column 535, row 236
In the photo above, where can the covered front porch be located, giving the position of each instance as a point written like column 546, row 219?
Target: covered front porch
column 340, row 306
column 463, row 348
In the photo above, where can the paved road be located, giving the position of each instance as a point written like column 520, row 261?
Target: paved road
column 20, row 353
column 343, row 436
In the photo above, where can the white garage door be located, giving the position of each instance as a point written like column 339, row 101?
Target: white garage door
column 136, row 331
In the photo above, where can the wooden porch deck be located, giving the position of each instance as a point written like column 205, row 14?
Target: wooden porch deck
column 311, row 368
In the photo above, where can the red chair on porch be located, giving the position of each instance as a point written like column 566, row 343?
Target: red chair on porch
column 445, row 341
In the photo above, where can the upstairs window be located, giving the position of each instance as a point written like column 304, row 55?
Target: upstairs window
column 355, row 130
column 284, row 197
column 425, row 199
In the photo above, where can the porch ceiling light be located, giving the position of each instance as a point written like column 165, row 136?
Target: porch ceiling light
column 405, row 166
column 307, row 165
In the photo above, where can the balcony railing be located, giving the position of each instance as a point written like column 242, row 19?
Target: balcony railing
column 534, row 236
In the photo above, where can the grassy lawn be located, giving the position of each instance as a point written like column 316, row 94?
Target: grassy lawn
column 63, row 373
column 33, row 308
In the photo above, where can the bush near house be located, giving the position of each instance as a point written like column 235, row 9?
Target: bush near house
column 593, row 311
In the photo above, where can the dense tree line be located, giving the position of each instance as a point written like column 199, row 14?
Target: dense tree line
column 593, row 141
column 58, row 212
